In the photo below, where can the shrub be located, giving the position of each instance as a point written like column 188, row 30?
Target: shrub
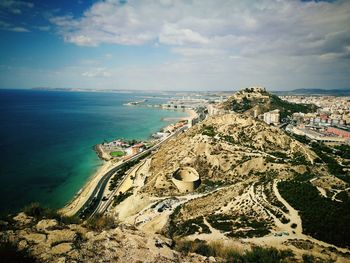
column 322, row 218
column 121, row 197
column 191, row 226
column 266, row 255
column 232, row 254
column 208, row 130
column 100, row 222
column 39, row 212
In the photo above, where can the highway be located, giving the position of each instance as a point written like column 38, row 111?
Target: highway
column 94, row 203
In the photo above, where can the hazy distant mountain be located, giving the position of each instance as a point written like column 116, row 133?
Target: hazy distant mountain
column 331, row 92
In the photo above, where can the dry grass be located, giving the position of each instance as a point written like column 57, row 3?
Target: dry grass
column 233, row 253
column 100, row 222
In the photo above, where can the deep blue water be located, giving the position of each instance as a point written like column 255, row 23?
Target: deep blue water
column 46, row 140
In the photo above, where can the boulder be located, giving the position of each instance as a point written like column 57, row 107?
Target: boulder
column 35, row 237
column 61, row 248
column 59, row 236
column 23, row 244
column 23, row 219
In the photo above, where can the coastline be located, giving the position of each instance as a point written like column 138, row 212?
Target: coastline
column 79, row 199
column 101, row 153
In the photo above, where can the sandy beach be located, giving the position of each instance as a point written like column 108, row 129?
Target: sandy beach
column 81, row 197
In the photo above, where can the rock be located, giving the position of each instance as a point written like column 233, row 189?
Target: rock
column 8, row 236
column 23, row 219
column 35, row 237
column 60, row 260
column 78, row 228
column 211, row 259
column 61, row 248
column 59, row 236
column 74, row 254
column 46, row 224
column 23, row 244
column 40, row 250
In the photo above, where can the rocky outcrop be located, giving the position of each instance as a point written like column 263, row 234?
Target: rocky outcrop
column 50, row 241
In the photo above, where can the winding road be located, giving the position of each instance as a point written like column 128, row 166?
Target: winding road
column 93, row 204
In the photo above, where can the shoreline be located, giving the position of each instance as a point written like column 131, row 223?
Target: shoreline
column 79, row 199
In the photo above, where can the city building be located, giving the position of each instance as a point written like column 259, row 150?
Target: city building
column 272, row 117
column 340, row 132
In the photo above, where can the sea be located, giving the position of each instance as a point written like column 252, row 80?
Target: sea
column 47, row 139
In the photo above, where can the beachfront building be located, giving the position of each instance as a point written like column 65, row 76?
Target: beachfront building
column 115, row 144
column 272, row 117
column 135, row 149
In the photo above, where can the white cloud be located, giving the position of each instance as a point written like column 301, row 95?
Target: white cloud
column 198, row 52
column 221, row 44
column 18, row 29
column 249, row 28
column 9, row 27
column 97, row 73
column 172, row 35
column 15, row 6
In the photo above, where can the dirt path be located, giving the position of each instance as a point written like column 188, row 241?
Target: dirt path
column 293, row 214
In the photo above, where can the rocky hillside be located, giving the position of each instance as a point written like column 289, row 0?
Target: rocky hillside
column 258, row 194
column 258, row 100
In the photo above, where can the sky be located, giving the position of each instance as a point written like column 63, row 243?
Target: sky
column 175, row 44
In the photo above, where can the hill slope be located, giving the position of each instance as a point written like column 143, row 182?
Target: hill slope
column 257, row 99
column 257, row 187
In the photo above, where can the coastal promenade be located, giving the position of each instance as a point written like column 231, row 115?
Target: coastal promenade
column 91, row 195
column 99, row 206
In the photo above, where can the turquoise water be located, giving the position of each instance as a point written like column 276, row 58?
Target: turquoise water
column 47, row 139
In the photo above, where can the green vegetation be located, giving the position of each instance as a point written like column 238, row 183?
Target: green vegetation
column 278, row 154
column 122, row 171
column 208, row 130
column 266, row 104
column 343, row 196
column 299, row 159
column 241, row 106
column 191, row 226
column 172, row 224
column 117, row 154
column 208, row 184
column 322, row 218
column 287, row 108
column 230, row 254
column 228, row 225
column 10, row 254
column 325, row 153
column 121, row 197
column 100, row 222
column 301, row 138
column 307, row 176
column 38, row 212
column 272, row 199
column 221, row 222
column 343, row 151
column 307, row 258
column 228, row 138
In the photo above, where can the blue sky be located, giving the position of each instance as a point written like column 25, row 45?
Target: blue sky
column 175, row 45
